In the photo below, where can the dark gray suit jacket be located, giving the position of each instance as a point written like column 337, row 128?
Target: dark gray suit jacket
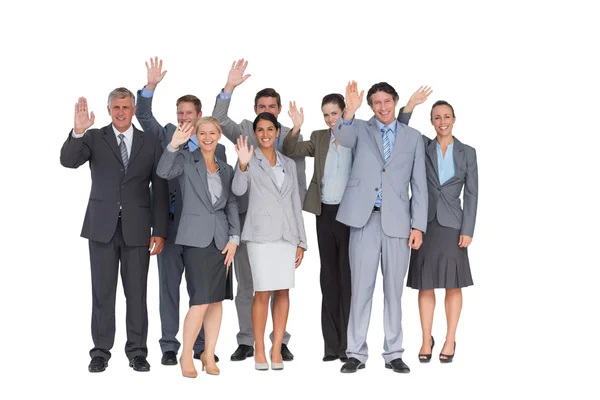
column 201, row 221
column 143, row 213
column 165, row 134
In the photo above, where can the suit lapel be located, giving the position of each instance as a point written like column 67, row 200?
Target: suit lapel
column 432, row 154
column 458, row 157
column 111, row 139
column 399, row 143
column 137, row 143
column 264, row 164
column 376, row 143
column 323, row 142
column 200, row 167
column 225, row 179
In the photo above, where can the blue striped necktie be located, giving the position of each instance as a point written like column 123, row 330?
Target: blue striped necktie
column 123, row 148
column 385, row 141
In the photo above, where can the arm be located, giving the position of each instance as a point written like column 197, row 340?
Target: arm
column 241, row 178
column 160, row 201
column 144, row 102
column 231, row 129
column 233, row 219
column 77, row 149
column 418, row 187
column 292, row 147
column 346, row 132
column 418, row 97
column 297, row 207
column 470, row 195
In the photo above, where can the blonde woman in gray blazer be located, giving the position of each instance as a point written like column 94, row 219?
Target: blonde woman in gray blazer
column 442, row 260
column 273, row 231
column 208, row 230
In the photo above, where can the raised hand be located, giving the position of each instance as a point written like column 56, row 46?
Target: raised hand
column 418, row 97
column 155, row 73
column 297, row 117
column 244, row 153
column 353, row 99
column 182, row 134
column 236, row 75
column 83, row 120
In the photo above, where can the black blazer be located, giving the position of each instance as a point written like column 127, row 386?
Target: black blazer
column 144, row 213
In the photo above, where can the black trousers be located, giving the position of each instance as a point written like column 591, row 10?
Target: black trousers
column 104, row 261
column 334, row 238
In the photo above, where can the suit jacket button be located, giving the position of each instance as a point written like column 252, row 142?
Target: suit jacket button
column 383, row 170
column 439, row 189
column 118, row 203
column 121, row 170
column 376, row 189
column 212, row 212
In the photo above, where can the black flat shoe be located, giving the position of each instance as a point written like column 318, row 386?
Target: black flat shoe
column 286, row 354
column 242, row 352
column 198, row 355
column 169, row 358
column 425, row 358
column 330, row 358
column 98, row 364
column 398, row 365
column 139, row 363
column 352, row 365
column 448, row 358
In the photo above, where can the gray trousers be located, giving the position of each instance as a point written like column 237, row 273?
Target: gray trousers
column 170, row 270
column 245, row 295
column 367, row 246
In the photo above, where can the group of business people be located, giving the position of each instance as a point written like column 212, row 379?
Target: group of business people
column 200, row 216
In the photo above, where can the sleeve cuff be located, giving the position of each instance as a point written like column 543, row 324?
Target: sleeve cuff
column 224, row 96
column 170, row 149
column 347, row 122
column 146, row 93
column 75, row 135
column 235, row 239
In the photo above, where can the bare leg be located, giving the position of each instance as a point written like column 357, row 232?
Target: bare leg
column 281, row 308
column 212, row 325
column 191, row 328
column 260, row 310
column 426, row 309
column 453, row 304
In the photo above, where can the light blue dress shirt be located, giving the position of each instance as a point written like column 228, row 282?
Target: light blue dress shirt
column 336, row 173
column 445, row 164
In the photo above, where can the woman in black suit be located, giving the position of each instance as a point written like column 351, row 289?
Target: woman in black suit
column 442, row 260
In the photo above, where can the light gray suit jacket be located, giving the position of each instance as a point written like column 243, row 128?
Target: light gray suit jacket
column 233, row 130
column 444, row 200
column 201, row 221
column 405, row 166
column 273, row 214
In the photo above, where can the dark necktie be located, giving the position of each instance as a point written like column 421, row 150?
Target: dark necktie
column 123, row 148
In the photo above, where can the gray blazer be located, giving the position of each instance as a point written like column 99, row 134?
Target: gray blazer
column 273, row 214
column 164, row 134
column 444, row 200
column 233, row 130
column 201, row 221
column 405, row 167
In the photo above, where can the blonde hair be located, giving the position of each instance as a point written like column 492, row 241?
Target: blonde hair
column 208, row 120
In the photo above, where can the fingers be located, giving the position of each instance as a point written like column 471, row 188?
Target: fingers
column 92, row 118
column 152, row 244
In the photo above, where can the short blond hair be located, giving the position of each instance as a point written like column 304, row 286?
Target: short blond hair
column 208, row 120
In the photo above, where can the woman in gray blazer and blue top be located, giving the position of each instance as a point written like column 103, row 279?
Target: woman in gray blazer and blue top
column 443, row 261
column 209, row 232
column 332, row 166
column 273, row 231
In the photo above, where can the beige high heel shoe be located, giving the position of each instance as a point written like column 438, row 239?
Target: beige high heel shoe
column 210, row 369
column 188, row 373
column 275, row 365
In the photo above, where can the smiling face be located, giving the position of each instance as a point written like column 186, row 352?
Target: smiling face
column 208, row 136
column 186, row 112
column 121, row 111
column 384, row 107
column 442, row 119
column 267, row 104
column 266, row 133
column 331, row 113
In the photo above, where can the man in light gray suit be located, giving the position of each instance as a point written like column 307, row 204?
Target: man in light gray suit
column 266, row 100
column 384, row 222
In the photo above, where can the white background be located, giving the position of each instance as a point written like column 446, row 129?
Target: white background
column 523, row 79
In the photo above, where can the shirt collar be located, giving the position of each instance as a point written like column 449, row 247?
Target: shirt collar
column 128, row 133
column 392, row 126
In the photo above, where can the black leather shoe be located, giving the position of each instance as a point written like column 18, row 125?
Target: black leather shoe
column 286, row 354
column 243, row 351
column 197, row 356
column 352, row 365
column 98, row 364
column 398, row 365
column 344, row 359
column 139, row 363
column 330, row 358
column 169, row 358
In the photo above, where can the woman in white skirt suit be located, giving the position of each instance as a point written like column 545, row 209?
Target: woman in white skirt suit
column 273, row 231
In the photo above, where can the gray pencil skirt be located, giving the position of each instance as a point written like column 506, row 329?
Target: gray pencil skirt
column 273, row 265
column 206, row 275
column 439, row 263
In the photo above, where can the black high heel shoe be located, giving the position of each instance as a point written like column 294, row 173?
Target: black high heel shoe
column 425, row 358
column 448, row 358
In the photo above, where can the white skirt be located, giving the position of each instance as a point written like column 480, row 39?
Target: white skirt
column 273, row 265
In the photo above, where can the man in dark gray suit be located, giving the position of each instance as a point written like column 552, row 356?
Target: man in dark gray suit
column 266, row 100
column 125, row 222
column 170, row 261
